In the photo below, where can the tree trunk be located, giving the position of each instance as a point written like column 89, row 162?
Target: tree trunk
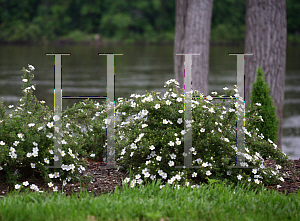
column 266, row 38
column 192, row 34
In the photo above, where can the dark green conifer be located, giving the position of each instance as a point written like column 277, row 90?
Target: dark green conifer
column 260, row 94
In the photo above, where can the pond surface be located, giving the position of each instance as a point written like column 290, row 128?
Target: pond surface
column 141, row 68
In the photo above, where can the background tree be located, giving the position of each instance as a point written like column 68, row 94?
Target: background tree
column 266, row 38
column 192, row 34
column 147, row 21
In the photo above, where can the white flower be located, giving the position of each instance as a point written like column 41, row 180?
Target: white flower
column 2, row 143
column 49, row 135
column 165, row 121
column 171, row 163
column 144, row 125
column 209, row 97
column 173, row 156
column 205, row 164
column 179, row 121
column 12, row 155
column 151, row 147
column 168, row 102
column 179, row 99
column 226, row 139
column 178, row 142
column 50, row 124
column 157, row 106
column 137, row 176
column 126, row 180
column 171, row 143
column 208, row 173
column 211, row 110
column 72, row 166
column 55, row 158
column 256, row 181
column 56, row 174
column 35, row 153
column 31, row 67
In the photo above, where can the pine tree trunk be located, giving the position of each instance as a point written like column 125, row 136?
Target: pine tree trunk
column 192, row 34
column 266, row 38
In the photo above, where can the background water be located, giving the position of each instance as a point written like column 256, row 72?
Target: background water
column 141, row 68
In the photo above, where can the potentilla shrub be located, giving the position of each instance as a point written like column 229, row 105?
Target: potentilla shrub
column 27, row 141
column 152, row 143
column 88, row 114
column 268, row 127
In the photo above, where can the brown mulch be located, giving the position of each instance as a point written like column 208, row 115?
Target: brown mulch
column 105, row 181
column 291, row 184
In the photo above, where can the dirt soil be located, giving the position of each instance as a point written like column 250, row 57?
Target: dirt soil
column 105, row 181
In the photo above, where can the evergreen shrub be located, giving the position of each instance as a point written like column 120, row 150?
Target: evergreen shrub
column 260, row 97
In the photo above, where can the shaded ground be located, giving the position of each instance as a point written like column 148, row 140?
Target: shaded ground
column 105, row 181
column 289, row 185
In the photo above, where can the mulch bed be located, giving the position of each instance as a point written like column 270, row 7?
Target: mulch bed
column 105, row 181
column 289, row 185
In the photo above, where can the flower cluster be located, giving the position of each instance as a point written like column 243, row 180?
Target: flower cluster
column 149, row 139
column 26, row 141
column 154, row 138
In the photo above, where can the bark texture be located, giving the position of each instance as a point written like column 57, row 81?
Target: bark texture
column 192, row 34
column 266, row 38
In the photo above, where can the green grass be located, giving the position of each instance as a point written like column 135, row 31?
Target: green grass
column 216, row 202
